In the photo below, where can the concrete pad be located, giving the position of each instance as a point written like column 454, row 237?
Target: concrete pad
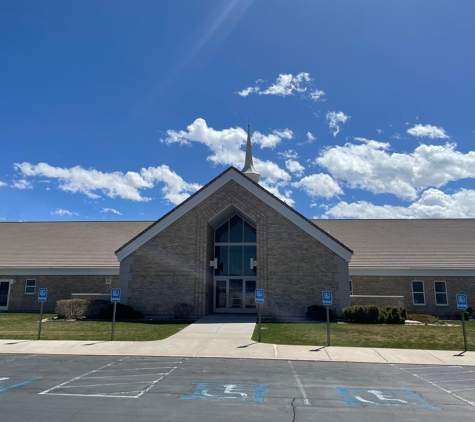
column 354, row 354
column 317, row 353
column 454, row 357
column 422, row 357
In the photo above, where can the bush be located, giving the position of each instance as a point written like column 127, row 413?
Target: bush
column 468, row 314
column 182, row 310
column 319, row 313
column 122, row 313
column 424, row 318
column 371, row 314
column 73, row 308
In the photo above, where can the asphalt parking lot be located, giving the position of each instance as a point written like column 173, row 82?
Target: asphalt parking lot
column 85, row 388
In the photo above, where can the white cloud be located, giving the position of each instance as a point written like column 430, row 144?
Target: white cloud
column 275, row 190
column 226, row 146
column 3, row 183
column 286, row 85
column 21, row 184
column 397, row 136
column 116, row 184
column 380, row 131
column 294, row 167
column 335, row 119
column 310, row 137
column 60, row 211
column 371, row 167
column 112, row 210
column 428, row 131
column 432, row 204
column 319, row 185
column 288, row 154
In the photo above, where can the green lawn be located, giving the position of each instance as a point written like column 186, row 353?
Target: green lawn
column 368, row 335
column 23, row 326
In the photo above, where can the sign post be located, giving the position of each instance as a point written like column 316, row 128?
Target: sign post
column 115, row 298
column 462, row 304
column 42, row 296
column 327, row 302
column 259, row 301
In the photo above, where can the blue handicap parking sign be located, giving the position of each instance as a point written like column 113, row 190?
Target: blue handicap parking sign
column 327, row 298
column 461, row 301
column 259, row 296
column 42, row 295
column 115, row 295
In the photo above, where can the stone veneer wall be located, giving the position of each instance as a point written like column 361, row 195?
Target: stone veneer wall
column 173, row 267
column 402, row 286
column 59, row 287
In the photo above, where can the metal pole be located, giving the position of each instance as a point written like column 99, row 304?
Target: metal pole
column 328, row 325
column 464, row 332
column 259, row 323
column 113, row 321
column 39, row 324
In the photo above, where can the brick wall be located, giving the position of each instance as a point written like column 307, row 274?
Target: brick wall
column 59, row 287
column 379, row 301
column 173, row 267
column 402, row 286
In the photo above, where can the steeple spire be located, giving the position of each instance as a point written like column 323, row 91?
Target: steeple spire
column 249, row 169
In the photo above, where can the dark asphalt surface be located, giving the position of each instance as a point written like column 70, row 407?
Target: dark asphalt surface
column 90, row 388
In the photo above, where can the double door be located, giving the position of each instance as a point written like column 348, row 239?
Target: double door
column 234, row 294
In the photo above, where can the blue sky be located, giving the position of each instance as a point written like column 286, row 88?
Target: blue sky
column 119, row 110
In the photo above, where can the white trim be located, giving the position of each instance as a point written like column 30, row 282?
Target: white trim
column 243, row 181
column 446, row 294
column 26, row 286
column 36, row 271
column 10, row 281
column 423, row 292
column 408, row 271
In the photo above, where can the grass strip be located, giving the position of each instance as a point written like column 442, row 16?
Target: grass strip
column 24, row 326
column 370, row 335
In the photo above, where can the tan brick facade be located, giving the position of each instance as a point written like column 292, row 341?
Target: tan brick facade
column 59, row 287
column 293, row 267
column 402, row 286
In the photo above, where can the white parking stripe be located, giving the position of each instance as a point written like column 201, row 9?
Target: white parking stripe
column 299, row 383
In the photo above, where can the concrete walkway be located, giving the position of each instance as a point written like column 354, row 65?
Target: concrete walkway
column 229, row 336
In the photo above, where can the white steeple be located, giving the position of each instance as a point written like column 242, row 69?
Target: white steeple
column 249, row 169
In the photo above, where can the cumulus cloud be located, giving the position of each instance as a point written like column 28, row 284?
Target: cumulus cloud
column 2, row 183
column 294, row 167
column 370, row 166
column 226, row 146
column 310, row 137
column 428, row 131
column 115, row 184
column 335, row 119
column 319, row 185
column 60, row 211
column 433, row 203
column 112, row 210
column 276, row 191
column 286, row 85
column 21, row 184
column 288, row 154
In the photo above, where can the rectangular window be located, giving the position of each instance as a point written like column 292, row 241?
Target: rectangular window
column 30, row 287
column 440, row 289
column 351, row 287
column 418, row 297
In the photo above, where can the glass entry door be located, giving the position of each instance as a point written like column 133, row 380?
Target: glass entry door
column 4, row 293
column 234, row 295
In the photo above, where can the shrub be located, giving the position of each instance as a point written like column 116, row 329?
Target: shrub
column 424, row 318
column 182, row 310
column 73, row 308
column 371, row 314
column 122, row 313
column 319, row 313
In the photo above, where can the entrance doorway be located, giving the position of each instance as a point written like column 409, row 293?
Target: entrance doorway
column 4, row 294
column 235, row 267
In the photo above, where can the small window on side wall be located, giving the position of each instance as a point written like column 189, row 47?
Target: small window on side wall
column 30, row 287
column 351, row 287
column 440, row 289
column 418, row 297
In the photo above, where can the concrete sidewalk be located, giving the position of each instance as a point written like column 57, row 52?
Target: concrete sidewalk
column 229, row 336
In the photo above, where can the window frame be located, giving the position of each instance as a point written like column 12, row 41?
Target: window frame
column 27, row 286
column 436, row 293
column 351, row 287
column 423, row 293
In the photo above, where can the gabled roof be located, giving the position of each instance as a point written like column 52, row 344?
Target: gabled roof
column 434, row 244
column 78, row 245
column 253, row 188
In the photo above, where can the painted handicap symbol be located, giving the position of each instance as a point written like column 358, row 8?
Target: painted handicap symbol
column 239, row 392
column 5, row 385
column 383, row 398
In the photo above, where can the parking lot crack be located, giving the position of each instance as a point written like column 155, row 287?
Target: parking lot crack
column 292, row 404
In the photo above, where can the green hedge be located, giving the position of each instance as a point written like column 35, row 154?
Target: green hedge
column 371, row 314
column 319, row 313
